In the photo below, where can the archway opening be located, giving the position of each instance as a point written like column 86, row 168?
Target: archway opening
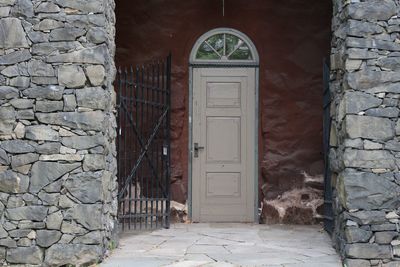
column 292, row 38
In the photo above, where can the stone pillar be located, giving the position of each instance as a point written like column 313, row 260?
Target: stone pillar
column 57, row 131
column 365, row 154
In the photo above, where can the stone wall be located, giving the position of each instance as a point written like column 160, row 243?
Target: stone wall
column 365, row 82
column 57, row 131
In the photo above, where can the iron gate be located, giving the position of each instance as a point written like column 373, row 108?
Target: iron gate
column 328, row 209
column 144, row 100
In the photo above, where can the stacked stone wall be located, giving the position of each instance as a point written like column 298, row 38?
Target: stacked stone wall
column 365, row 154
column 57, row 131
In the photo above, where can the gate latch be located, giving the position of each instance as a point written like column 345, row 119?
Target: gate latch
column 196, row 149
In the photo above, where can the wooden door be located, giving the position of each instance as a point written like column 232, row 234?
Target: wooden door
column 223, row 187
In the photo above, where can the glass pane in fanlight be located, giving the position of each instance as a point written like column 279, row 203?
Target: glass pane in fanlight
column 217, row 41
column 242, row 53
column 206, row 52
column 232, row 42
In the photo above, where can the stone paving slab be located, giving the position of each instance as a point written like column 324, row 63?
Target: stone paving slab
column 226, row 245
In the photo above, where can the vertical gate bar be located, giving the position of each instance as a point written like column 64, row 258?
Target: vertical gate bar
column 162, row 143
column 130, row 137
column 168, row 129
column 147, row 119
column 141, row 126
column 157, row 139
column 130, row 144
column 152, row 147
column 136, row 143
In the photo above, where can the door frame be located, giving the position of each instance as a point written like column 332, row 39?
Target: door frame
column 240, row 64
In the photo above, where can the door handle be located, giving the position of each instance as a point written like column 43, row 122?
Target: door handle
column 196, row 149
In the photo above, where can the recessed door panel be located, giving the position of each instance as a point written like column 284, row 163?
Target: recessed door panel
column 223, row 94
column 223, row 139
column 223, row 174
column 223, row 184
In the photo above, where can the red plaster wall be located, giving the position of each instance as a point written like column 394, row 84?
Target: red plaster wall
column 292, row 37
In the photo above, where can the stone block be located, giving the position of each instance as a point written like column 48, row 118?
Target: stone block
column 41, row 133
column 71, row 76
column 83, row 142
column 49, row 106
column 13, row 182
column 79, row 214
column 369, row 127
column 363, row 28
column 383, row 227
column 93, row 55
column 357, row 235
column 32, row 213
column 372, row 10
column 44, row 173
column 44, row 49
column 51, row 92
column 47, row 7
column 69, row 102
column 46, row 238
column 374, row 159
column 23, row 8
column 77, row 254
column 385, row 237
column 91, row 238
column 8, row 92
column 92, row 120
column 72, row 229
column 13, row 35
column 357, row 263
column 94, row 162
column 368, row 217
column 17, row 146
column 25, row 114
column 94, row 98
column 48, row 148
column 388, row 112
column 86, row 186
column 368, row 79
column 368, row 251
column 7, row 120
column 21, row 103
column 15, row 57
column 25, row 255
column 367, row 191
column 23, row 159
column 96, row 74
column 66, row 33
column 40, row 68
column 54, row 221
column 62, row 157
column 4, row 159
column 48, row 24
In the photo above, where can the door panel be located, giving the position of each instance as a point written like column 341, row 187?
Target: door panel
column 223, row 95
column 223, row 175
column 223, row 139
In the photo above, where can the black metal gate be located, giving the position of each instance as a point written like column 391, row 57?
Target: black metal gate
column 328, row 209
column 144, row 99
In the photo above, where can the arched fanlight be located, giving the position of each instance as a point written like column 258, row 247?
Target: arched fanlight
column 224, row 46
